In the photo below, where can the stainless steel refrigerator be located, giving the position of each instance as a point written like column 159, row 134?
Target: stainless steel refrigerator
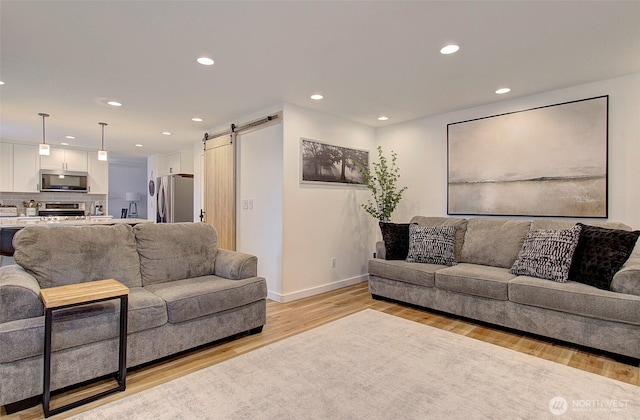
column 174, row 198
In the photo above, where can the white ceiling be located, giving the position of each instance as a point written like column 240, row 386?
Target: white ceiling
column 368, row 58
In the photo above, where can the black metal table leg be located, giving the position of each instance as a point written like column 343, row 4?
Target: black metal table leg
column 46, row 392
column 120, row 376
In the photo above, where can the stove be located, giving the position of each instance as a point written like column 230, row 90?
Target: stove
column 62, row 211
column 62, row 218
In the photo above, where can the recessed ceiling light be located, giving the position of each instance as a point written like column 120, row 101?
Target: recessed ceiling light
column 166, row 133
column 138, row 145
column 449, row 49
column 69, row 137
column 196, row 119
column 64, row 143
column 383, row 118
column 316, row 97
column 1, row 82
column 503, row 90
column 114, row 103
column 205, row 61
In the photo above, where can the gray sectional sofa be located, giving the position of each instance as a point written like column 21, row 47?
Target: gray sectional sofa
column 183, row 292
column 480, row 285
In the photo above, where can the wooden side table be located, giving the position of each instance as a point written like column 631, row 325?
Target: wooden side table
column 62, row 297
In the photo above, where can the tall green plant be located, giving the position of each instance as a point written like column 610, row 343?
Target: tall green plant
column 382, row 184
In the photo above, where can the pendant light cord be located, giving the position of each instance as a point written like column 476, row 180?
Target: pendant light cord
column 43, row 115
column 102, row 124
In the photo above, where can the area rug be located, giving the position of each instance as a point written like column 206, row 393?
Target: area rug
column 371, row 365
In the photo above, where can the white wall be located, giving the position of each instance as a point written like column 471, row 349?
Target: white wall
column 124, row 178
column 321, row 222
column 152, row 173
column 422, row 148
column 260, row 199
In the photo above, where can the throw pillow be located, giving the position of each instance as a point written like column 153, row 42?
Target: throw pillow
column 547, row 254
column 432, row 245
column 396, row 240
column 600, row 254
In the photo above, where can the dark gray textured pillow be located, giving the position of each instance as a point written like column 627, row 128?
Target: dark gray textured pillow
column 432, row 245
column 396, row 240
column 547, row 254
column 600, row 254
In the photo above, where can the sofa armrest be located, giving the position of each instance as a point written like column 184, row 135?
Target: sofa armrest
column 627, row 280
column 380, row 250
column 235, row 265
column 19, row 294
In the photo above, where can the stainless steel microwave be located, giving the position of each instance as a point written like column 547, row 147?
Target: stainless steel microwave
column 54, row 180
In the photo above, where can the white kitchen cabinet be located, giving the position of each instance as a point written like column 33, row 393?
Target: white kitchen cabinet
column 65, row 159
column 177, row 163
column 6, row 167
column 98, row 179
column 26, row 168
column 172, row 163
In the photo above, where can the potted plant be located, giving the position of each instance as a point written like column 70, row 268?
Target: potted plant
column 382, row 184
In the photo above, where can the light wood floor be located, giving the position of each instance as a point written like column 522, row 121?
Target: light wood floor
column 287, row 319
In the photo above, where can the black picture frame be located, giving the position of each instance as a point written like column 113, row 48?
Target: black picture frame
column 544, row 161
column 323, row 163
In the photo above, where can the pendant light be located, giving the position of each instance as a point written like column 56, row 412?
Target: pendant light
column 102, row 154
column 43, row 148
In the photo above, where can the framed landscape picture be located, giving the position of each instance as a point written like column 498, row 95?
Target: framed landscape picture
column 546, row 161
column 329, row 164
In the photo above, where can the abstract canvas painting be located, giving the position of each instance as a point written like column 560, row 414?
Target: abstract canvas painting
column 546, row 161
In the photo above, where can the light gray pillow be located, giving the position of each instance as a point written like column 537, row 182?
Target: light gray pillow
column 61, row 255
column 175, row 251
column 493, row 242
column 547, row 254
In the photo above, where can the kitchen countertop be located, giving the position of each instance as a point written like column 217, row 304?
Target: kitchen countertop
column 14, row 222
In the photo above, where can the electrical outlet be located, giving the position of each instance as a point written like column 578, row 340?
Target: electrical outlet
column 250, row 203
column 333, row 262
column 245, row 204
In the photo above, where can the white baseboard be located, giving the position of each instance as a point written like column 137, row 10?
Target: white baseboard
column 289, row 297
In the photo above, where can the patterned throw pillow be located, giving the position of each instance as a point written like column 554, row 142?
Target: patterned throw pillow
column 396, row 240
column 432, row 245
column 547, row 254
column 600, row 254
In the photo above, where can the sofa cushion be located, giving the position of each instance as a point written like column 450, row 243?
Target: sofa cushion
column 575, row 298
column 146, row 310
column 81, row 325
column 547, row 254
column 19, row 295
column 477, row 280
column 432, row 245
column 459, row 223
column 396, row 240
column 494, row 242
column 62, row 255
column 414, row 273
column 175, row 251
column 600, row 254
column 540, row 224
column 195, row 297
column 627, row 280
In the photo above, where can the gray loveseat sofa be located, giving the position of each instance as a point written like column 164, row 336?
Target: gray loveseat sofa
column 480, row 285
column 183, row 292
